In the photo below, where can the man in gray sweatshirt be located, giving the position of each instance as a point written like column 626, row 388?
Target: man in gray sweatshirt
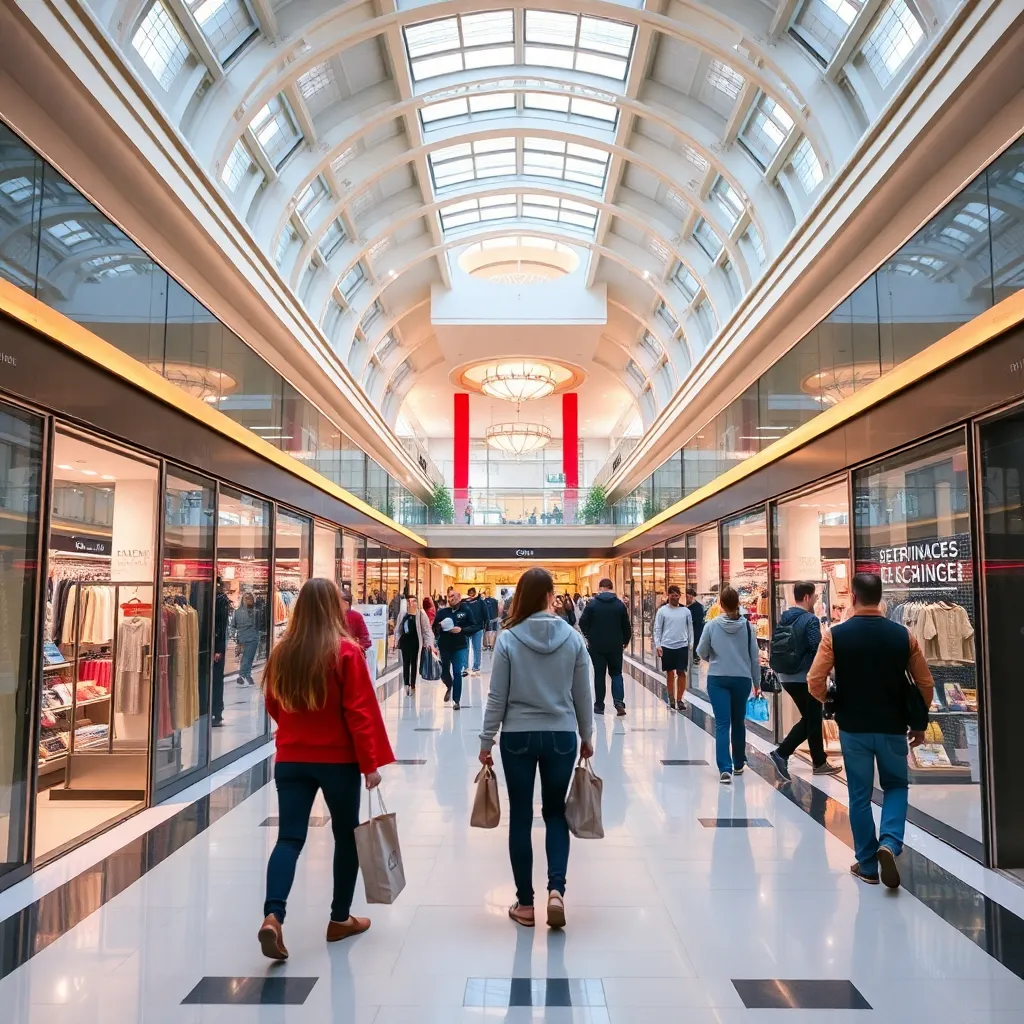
column 673, row 638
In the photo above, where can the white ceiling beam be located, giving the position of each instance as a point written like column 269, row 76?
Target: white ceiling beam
column 196, row 38
column 298, row 104
column 265, row 17
column 739, row 112
column 853, row 38
column 782, row 17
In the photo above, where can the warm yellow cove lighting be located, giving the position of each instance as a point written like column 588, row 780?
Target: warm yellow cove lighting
column 39, row 317
column 982, row 329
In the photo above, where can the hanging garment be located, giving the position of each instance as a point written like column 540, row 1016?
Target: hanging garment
column 133, row 639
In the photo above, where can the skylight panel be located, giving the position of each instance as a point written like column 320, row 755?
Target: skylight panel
column 592, row 108
column 658, row 250
column 707, row 238
column 332, row 238
column 728, row 200
column 237, row 166
column 462, row 43
column 160, row 44
column 314, row 193
column 351, row 281
column 462, row 106
column 319, row 87
column 563, row 211
column 547, row 101
column 445, row 109
column 766, row 129
column 492, row 101
column 288, row 237
column 275, row 130
column 71, row 233
column 227, row 25
column 595, row 46
column 468, row 161
column 722, row 77
column 18, row 189
column 474, row 211
column 754, row 240
column 554, row 158
column 807, row 166
column 892, row 40
column 688, row 284
column 824, row 23
column 695, row 158
column 664, row 314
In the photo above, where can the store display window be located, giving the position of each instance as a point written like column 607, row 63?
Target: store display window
column 811, row 544
column 292, row 540
column 326, row 540
column 745, row 567
column 97, row 648
column 654, row 598
column 187, row 656
column 912, row 527
column 21, row 480
column 702, row 573
column 243, row 572
column 634, row 603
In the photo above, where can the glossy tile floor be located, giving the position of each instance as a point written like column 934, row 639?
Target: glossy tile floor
column 668, row 920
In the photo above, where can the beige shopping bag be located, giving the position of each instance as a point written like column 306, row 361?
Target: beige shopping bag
column 380, row 857
column 486, row 808
column 583, row 805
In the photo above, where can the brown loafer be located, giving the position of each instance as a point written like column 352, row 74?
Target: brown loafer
column 556, row 910
column 338, row 930
column 272, row 939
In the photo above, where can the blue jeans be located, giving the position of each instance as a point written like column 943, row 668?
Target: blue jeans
column 521, row 755
column 248, row 657
column 297, row 783
column 861, row 751
column 452, row 664
column 609, row 663
column 728, row 695
column 477, row 639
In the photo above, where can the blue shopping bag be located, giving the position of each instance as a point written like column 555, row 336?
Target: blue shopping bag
column 757, row 709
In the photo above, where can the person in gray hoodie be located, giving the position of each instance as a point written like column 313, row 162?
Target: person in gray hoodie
column 248, row 634
column 540, row 698
column 729, row 646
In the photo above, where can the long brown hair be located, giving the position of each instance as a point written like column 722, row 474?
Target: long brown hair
column 298, row 666
column 533, row 590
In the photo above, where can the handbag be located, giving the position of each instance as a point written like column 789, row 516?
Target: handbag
column 583, row 804
column 430, row 665
column 917, row 710
column 380, row 857
column 757, row 709
column 486, row 807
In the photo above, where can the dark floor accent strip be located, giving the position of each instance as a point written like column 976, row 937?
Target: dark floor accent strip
column 275, row 990
column 672, row 762
column 316, row 821
column 424, row 729
column 735, row 822
column 996, row 930
column 783, row 994
column 410, row 760
column 503, row 993
column 31, row 930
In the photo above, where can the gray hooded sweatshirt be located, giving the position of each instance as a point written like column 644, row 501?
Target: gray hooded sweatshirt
column 729, row 646
column 540, row 681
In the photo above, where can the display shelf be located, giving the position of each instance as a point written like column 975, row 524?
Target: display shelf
column 99, row 743
column 79, row 704
column 58, row 668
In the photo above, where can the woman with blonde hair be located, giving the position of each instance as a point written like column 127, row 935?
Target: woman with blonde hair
column 329, row 732
column 540, row 698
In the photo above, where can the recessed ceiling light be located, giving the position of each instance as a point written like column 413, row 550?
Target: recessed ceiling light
column 88, row 472
column 392, row 274
column 107, row 476
column 647, row 274
column 64, row 465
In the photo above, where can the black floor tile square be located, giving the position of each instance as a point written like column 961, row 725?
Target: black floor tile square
column 411, row 760
column 735, row 822
column 783, row 994
column 267, row 991
column 558, row 993
column 671, row 762
column 504, row 993
column 316, row 821
column 521, row 992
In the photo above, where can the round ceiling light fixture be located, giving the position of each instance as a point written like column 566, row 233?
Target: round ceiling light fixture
column 202, row 382
column 519, row 382
column 517, row 438
column 830, row 387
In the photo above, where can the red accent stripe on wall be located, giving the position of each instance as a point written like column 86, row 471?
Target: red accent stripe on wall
column 461, row 457
column 570, row 439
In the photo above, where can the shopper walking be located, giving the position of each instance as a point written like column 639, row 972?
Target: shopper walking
column 605, row 625
column 540, row 698
column 476, row 606
column 492, row 609
column 673, row 638
column 355, row 622
column 222, row 609
column 413, row 634
column 452, row 628
column 729, row 646
column 248, row 633
column 329, row 732
column 876, row 711
column 564, row 610
column 430, row 609
column 795, row 641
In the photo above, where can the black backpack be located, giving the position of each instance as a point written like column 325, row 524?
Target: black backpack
column 787, row 647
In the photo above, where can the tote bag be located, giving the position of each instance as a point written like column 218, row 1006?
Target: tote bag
column 486, row 808
column 380, row 857
column 430, row 665
column 583, row 805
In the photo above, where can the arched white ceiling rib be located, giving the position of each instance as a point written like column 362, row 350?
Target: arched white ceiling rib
column 747, row 35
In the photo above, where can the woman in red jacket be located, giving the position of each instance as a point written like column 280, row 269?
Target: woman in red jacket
column 329, row 731
column 428, row 607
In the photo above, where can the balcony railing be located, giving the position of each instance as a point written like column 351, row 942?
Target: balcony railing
column 549, row 506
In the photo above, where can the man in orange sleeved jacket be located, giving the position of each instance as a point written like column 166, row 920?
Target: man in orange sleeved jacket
column 875, row 712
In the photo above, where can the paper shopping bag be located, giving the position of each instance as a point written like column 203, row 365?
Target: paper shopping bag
column 583, row 805
column 380, row 857
column 486, row 808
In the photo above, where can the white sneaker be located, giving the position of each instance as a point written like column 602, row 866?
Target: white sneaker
column 725, row 778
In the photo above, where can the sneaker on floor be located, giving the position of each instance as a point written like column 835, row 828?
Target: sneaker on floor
column 827, row 769
column 887, row 869
column 456, row 706
column 781, row 766
column 598, row 709
column 857, row 873
column 725, row 778
column 739, row 771
column 408, row 691
column 447, row 694
column 620, row 710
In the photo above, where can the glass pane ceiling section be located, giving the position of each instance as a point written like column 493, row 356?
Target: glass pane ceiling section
column 531, row 103
column 509, row 206
column 539, row 157
column 466, row 42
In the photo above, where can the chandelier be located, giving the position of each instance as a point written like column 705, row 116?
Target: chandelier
column 517, row 438
column 518, row 382
column 200, row 382
column 831, row 386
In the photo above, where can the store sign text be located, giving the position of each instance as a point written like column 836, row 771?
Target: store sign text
column 932, row 562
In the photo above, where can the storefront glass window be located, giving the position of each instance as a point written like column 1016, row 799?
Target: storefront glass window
column 745, row 567
column 702, row 572
column 1006, row 215
column 653, row 601
column 292, row 537
column 325, row 540
column 243, row 568
column 359, row 575
column 186, row 602
column 21, row 453
column 634, row 600
column 912, row 527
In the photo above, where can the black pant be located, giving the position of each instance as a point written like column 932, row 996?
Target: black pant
column 610, row 662
column 410, row 661
column 297, row 783
column 809, row 726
